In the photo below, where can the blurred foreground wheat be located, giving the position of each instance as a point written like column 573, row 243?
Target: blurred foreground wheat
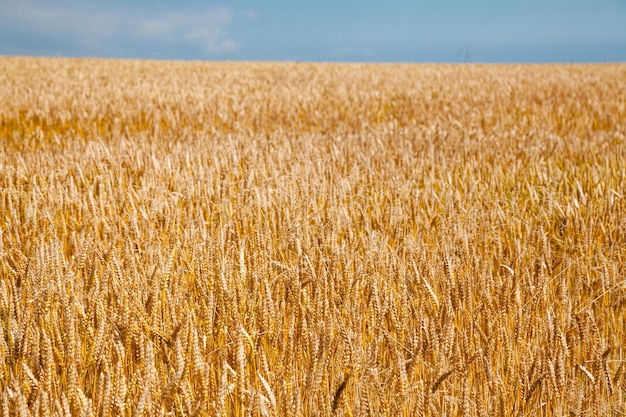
column 243, row 239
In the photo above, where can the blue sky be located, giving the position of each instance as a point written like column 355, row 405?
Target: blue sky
column 364, row 31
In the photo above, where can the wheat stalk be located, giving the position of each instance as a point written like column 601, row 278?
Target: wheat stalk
column 216, row 238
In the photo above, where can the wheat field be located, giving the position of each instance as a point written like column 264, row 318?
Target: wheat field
column 295, row 239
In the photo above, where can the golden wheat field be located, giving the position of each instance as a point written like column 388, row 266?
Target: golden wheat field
column 293, row 239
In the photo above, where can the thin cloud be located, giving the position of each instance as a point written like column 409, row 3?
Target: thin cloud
column 342, row 51
column 352, row 53
column 95, row 28
column 249, row 14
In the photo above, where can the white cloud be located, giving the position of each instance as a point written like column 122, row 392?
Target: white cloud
column 97, row 26
column 64, row 17
column 229, row 45
column 209, row 31
column 249, row 14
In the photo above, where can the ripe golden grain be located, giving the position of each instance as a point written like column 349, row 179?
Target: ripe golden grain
column 233, row 238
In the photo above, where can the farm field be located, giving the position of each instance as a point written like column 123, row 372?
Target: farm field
column 296, row 239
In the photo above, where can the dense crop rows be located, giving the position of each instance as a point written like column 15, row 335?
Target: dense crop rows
column 311, row 239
